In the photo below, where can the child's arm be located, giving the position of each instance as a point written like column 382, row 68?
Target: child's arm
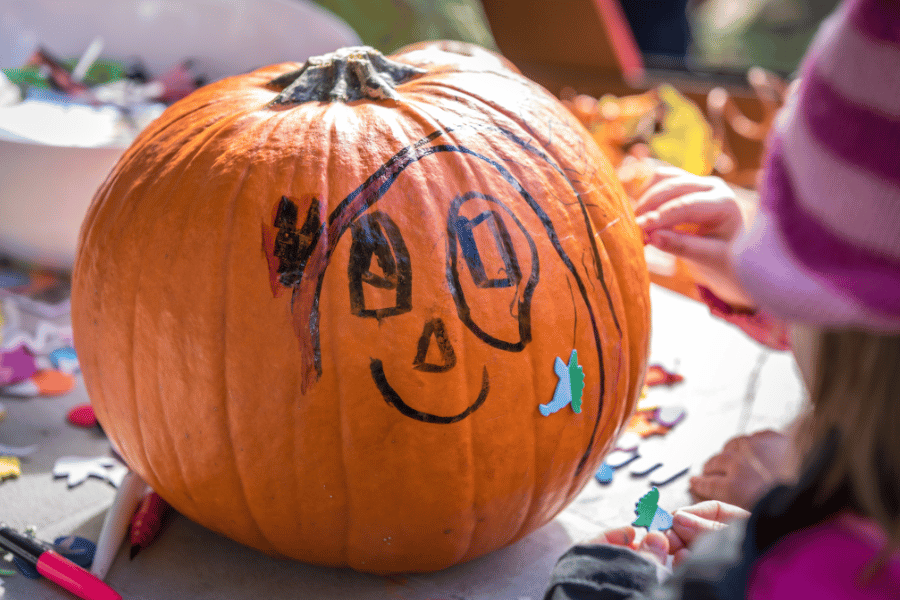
column 615, row 566
column 698, row 219
column 611, row 567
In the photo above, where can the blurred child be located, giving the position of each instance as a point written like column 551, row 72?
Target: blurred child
column 822, row 252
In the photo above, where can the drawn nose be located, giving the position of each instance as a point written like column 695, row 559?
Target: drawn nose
column 434, row 331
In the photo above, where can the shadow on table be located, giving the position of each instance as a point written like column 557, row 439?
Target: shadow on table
column 189, row 561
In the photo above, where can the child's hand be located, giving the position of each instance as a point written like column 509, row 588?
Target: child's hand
column 690, row 522
column 746, row 468
column 654, row 546
column 698, row 219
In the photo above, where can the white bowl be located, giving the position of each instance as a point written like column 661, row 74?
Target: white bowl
column 45, row 189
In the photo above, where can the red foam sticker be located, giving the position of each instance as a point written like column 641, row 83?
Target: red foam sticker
column 82, row 416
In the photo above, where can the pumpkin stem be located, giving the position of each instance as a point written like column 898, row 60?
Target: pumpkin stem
column 344, row 75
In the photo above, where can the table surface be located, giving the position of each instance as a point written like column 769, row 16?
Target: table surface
column 732, row 385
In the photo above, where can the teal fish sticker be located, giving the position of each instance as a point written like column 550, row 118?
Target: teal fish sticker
column 570, row 387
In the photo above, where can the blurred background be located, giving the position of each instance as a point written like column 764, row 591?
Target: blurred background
column 81, row 78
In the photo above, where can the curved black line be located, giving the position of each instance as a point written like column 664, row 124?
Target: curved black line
column 413, row 153
column 529, row 147
column 393, row 398
column 574, row 310
column 462, row 307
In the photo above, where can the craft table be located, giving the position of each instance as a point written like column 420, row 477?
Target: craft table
column 731, row 385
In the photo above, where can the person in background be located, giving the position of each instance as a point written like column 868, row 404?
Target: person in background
column 822, row 252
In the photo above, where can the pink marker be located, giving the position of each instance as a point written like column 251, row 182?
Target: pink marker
column 56, row 567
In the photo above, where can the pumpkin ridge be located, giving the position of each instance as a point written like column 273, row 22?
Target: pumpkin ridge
column 582, row 289
column 343, row 415
column 147, row 463
column 230, row 227
column 528, row 514
column 475, row 175
column 226, row 397
column 151, row 135
column 211, row 136
column 479, row 183
column 295, row 458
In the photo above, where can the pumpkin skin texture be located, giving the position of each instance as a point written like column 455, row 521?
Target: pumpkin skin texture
column 319, row 317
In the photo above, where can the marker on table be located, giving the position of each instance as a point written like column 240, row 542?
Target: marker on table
column 56, row 567
column 147, row 522
column 116, row 523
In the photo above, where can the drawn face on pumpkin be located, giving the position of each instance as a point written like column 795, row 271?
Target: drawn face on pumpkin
column 485, row 257
column 425, row 303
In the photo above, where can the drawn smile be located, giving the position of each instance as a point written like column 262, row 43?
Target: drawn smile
column 393, row 398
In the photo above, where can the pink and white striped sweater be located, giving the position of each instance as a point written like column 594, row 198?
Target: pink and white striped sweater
column 825, row 247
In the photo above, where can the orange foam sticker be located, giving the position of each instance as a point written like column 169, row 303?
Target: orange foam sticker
column 51, row 382
column 643, row 424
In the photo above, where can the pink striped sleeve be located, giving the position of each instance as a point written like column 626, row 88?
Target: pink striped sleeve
column 879, row 19
column 836, row 148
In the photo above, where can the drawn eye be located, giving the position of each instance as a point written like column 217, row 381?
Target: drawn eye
column 488, row 232
column 502, row 261
column 379, row 264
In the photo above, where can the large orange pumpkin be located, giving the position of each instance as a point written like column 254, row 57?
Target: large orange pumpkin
column 317, row 307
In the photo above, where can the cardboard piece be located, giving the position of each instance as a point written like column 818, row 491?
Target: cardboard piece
column 591, row 34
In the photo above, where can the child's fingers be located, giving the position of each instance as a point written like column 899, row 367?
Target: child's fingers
column 668, row 189
column 702, row 209
column 620, row 536
column 675, row 542
column 657, row 545
column 680, row 556
column 662, row 169
column 710, row 252
column 719, row 463
column 688, row 526
column 714, row 510
column 709, row 486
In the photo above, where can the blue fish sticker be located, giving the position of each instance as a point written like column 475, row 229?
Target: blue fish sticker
column 569, row 388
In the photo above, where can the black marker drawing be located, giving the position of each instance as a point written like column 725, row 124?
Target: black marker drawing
column 434, row 329
column 459, row 238
column 303, row 256
column 376, row 237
